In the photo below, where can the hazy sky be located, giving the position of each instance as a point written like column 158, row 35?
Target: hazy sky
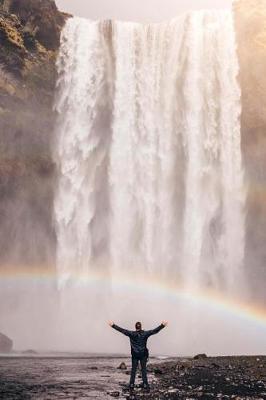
column 144, row 10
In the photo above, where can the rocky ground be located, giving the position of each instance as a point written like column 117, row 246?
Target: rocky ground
column 211, row 378
column 239, row 378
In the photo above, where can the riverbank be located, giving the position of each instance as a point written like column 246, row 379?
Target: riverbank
column 240, row 378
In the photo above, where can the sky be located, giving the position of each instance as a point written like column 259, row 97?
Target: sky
column 136, row 10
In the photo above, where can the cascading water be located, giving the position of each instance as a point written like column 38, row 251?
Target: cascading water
column 148, row 149
column 149, row 152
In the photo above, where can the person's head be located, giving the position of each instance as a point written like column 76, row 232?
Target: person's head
column 138, row 326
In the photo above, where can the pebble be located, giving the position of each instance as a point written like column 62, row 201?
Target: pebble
column 114, row 394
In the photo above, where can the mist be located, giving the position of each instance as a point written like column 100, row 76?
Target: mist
column 42, row 318
column 148, row 11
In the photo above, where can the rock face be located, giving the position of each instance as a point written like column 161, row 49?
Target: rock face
column 250, row 17
column 6, row 344
column 40, row 19
column 29, row 40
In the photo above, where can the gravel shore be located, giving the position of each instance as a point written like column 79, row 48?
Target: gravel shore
column 239, row 378
column 35, row 378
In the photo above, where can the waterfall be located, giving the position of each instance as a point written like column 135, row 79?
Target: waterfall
column 148, row 148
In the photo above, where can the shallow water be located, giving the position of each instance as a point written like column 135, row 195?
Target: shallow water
column 60, row 378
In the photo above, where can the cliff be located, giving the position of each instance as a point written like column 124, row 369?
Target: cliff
column 250, row 17
column 29, row 40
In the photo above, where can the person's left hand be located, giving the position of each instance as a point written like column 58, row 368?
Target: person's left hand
column 164, row 323
column 111, row 323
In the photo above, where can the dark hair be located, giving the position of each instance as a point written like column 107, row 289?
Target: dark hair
column 138, row 326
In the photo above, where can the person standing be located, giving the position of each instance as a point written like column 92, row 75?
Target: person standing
column 139, row 352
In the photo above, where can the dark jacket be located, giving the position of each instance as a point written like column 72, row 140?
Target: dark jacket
column 138, row 340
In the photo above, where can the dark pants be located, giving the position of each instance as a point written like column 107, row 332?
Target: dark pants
column 143, row 363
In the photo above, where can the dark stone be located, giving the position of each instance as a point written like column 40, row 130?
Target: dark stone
column 6, row 344
column 200, row 357
column 158, row 371
column 114, row 394
column 122, row 366
column 214, row 365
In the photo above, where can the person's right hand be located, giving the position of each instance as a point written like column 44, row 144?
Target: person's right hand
column 111, row 323
column 164, row 323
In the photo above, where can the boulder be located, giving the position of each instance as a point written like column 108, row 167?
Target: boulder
column 200, row 357
column 6, row 344
column 122, row 366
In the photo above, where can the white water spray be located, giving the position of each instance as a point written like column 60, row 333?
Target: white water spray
column 149, row 150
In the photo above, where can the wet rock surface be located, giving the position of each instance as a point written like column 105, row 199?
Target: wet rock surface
column 239, row 378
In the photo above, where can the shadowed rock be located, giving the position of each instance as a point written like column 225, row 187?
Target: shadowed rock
column 122, row 366
column 200, row 357
column 6, row 344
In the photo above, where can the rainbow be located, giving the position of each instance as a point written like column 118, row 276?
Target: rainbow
column 249, row 312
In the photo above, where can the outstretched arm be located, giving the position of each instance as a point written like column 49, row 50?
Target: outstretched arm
column 121, row 330
column 157, row 330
